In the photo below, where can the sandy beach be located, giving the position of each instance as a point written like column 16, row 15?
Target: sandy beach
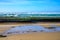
column 30, row 36
column 34, row 36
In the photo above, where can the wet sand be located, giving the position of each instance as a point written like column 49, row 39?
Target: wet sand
column 31, row 36
column 8, row 25
column 46, row 24
column 34, row 36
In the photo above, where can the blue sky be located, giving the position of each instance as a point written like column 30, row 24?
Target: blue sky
column 29, row 5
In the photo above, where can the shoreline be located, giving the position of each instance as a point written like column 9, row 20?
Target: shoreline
column 37, row 23
column 8, row 25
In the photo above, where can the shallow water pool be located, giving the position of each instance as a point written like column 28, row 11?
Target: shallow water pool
column 28, row 29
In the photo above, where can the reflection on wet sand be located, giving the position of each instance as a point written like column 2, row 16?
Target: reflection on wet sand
column 31, row 28
column 30, row 36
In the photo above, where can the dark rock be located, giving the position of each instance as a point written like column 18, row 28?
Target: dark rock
column 3, row 36
column 41, row 30
column 34, row 31
column 50, row 27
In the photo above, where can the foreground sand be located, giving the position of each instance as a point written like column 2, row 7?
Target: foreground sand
column 30, row 36
column 34, row 36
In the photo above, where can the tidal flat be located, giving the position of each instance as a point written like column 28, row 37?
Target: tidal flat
column 30, row 36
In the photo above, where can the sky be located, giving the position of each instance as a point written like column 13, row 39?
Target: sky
column 29, row 5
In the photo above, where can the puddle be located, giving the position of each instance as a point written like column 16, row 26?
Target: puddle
column 28, row 29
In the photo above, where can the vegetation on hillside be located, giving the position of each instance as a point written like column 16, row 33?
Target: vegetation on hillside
column 12, row 18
